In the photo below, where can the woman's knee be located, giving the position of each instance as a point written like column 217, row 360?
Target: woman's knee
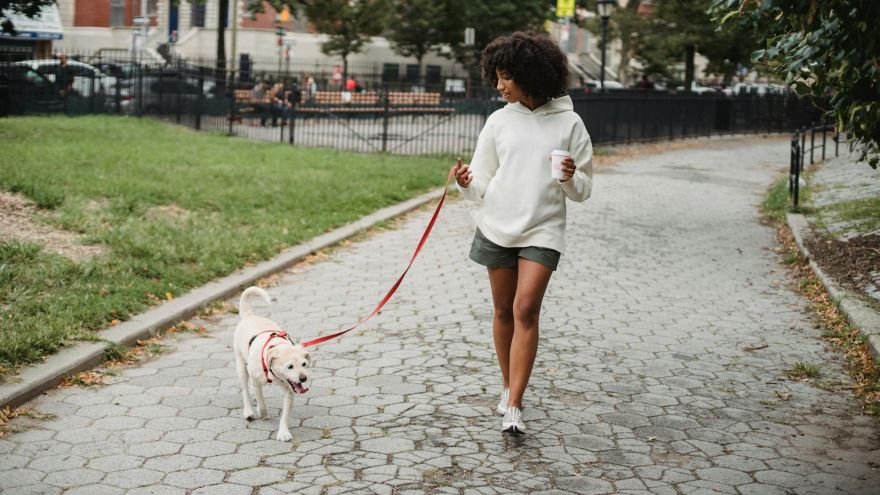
column 504, row 314
column 527, row 311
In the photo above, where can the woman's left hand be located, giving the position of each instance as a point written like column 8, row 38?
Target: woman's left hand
column 568, row 168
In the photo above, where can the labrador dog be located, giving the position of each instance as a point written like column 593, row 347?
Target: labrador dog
column 264, row 354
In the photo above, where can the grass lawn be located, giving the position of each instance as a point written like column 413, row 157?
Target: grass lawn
column 175, row 208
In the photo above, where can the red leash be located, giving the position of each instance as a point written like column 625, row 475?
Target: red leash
column 399, row 280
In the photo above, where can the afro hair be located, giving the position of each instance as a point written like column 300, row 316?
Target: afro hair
column 533, row 61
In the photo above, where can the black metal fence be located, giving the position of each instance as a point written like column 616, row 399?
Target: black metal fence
column 390, row 117
column 799, row 151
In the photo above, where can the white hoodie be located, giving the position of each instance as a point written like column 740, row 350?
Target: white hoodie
column 521, row 204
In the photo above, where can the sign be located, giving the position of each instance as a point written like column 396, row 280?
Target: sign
column 564, row 8
column 455, row 86
column 45, row 26
column 469, row 36
column 140, row 21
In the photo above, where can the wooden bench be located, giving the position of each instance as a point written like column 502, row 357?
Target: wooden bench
column 341, row 102
column 401, row 101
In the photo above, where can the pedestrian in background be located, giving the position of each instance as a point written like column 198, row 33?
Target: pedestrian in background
column 521, row 218
column 64, row 79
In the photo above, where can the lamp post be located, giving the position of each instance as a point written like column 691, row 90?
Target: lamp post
column 604, row 7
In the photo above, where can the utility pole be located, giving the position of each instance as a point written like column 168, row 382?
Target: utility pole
column 235, row 5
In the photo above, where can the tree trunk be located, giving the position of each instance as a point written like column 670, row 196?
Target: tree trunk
column 623, row 73
column 689, row 50
column 220, row 73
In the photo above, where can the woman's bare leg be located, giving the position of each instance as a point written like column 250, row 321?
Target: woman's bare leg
column 503, row 283
column 532, row 280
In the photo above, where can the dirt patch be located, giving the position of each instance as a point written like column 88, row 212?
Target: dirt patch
column 171, row 212
column 853, row 263
column 17, row 222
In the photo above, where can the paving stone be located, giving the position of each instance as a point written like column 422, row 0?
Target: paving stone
column 224, row 489
column 195, row 478
column 584, row 485
column 258, row 476
column 97, row 489
column 73, row 477
column 208, row 449
column 157, row 490
column 173, row 462
column 133, row 478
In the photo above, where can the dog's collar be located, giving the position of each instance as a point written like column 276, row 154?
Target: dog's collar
column 273, row 334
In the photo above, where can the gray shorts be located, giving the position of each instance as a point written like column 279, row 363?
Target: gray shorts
column 489, row 254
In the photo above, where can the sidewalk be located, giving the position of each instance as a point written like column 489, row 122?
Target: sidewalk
column 643, row 383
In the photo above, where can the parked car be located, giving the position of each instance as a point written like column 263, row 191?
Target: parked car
column 759, row 89
column 87, row 80
column 698, row 89
column 594, row 86
column 159, row 93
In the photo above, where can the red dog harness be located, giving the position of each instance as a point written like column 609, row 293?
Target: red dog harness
column 274, row 334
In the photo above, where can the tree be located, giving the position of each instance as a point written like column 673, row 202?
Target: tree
column 489, row 19
column 673, row 33
column 823, row 49
column 348, row 23
column 28, row 8
column 414, row 30
column 681, row 28
column 627, row 24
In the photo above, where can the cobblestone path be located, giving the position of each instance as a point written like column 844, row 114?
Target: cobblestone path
column 643, row 382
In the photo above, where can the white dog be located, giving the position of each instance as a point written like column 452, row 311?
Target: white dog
column 265, row 354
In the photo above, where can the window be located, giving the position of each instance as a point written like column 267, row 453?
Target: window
column 117, row 13
column 390, row 72
column 197, row 15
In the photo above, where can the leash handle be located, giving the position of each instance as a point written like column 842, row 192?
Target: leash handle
column 400, row 279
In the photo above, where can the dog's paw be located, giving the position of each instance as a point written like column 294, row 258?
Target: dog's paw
column 250, row 415
column 284, row 436
column 262, row 412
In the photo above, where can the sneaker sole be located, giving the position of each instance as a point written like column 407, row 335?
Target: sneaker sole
column 513, row 430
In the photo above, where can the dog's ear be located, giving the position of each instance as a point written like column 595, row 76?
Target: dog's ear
column 309, row 359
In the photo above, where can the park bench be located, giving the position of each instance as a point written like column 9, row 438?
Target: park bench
column 405, row 102
column 340, row 102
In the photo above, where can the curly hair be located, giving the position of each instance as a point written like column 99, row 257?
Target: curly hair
column 533, row 61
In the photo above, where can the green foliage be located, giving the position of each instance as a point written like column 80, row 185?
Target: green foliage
column 414, row 30
column 823, row 48
column 677, row 24
column 29, row 8
column 489, row 19
column 347, row 24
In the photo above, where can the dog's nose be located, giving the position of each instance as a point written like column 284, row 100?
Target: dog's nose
column 303, row 378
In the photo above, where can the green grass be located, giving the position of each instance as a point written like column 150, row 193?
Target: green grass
column 862, row 214
column 175, row 208
column 801, row 370
column 777, row 202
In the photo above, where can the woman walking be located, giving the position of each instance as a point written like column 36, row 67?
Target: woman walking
column 521, row 217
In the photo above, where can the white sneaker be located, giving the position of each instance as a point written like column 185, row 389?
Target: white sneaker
column 512, row 422
column 502, row 404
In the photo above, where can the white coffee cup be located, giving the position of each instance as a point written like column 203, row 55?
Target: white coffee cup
column 556, row 157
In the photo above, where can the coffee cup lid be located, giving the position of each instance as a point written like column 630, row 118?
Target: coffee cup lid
column 560, row 153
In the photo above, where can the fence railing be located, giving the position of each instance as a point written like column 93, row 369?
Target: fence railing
column 429, row 119
column 799, row 151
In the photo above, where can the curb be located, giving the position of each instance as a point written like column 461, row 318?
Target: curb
column 858, row 313
column 33, row 380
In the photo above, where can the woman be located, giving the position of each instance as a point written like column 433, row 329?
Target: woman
column 521, row 218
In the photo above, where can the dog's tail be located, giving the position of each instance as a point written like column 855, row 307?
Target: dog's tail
column 244, row 307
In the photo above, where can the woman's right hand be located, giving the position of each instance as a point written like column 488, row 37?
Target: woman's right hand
column 462, row 175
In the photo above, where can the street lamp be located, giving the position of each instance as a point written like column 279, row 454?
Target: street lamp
column 604, row 7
